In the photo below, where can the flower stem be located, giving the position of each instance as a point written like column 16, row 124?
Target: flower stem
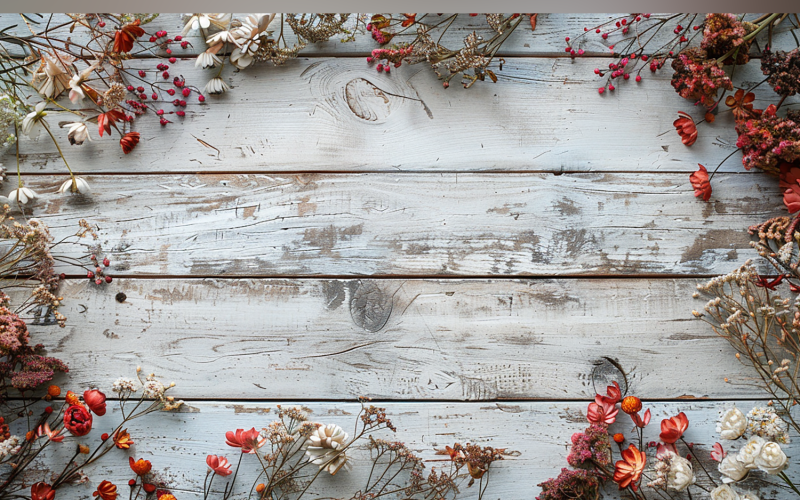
column 789, row 482
column 72, row 176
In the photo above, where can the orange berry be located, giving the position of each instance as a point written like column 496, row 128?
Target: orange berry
column 72, row 398
column 631, row 405
column 54, row 391
column 619, row 438
column 261, row 487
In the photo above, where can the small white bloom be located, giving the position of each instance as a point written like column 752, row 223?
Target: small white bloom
column 732, row 469
column 76, row 91
column 154, row 389
column 771, row 459
column 207, row 59
column 680, row 475
column 23, row 195
column 732, row 424
column 32, row 119
column 78, row 132
column 75, row 185
column 241, row 59
column 724, row 492
column 197, row 21
column 124, row 384
column 222, row 37
column 9, row 447
column 324, row 447
column 747, row 455
column 216, row 86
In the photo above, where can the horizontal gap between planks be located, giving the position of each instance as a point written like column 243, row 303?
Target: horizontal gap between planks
column 387, row 172
column 444, row 277
column 427, row 401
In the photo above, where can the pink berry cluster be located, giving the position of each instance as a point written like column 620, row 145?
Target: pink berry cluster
column 388, row 57
column 99, row 275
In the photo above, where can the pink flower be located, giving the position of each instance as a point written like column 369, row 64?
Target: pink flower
column 672, row 428
column 96, row 401
column 219, row 465
column 248, row 441
column 78, row 420
column 639, row 421
column 614, row 394
column 663, row 450
column 601, row 412
column 717, row 453
column 44, row 430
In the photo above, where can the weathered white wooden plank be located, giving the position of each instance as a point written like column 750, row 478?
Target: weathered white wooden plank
column 548, row 39
column 178, row 443
column 414, row 224
column 398, row 339
column 341, row 115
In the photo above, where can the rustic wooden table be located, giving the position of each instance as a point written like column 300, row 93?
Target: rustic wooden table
column 470, row 258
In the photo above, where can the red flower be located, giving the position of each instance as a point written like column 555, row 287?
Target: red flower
column 742, row 105
column 78, row 420
column 639, row 421
column 673, row 428
column 700, row 183
column 42, row 491
column 148, row 488
column 104, row 120
column 129, row 141
column 106, row 490
column 601, row 412
column 663, row 450
column 219, row 465
column 96, row 401
column 717, row 453
column 55, row 436
column 629, row 469
column 686, row 128
column 764, row 282
column 409, row 20
column 248, row 441
column 790, row 183
column 141, row 466
column 614, row 394
column 125, row 36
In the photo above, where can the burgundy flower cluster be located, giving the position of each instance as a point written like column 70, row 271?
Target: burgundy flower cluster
column 769, row 139
column 722, row 33
column 571, row 484
column 782, row 70
column 699, row 78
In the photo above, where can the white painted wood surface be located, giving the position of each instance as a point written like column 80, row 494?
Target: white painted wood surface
column 360, row 233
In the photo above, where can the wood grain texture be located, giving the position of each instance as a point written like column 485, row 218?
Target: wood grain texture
column 339, row 114
column 397, row 339
column 414, row 224
column 177, row 444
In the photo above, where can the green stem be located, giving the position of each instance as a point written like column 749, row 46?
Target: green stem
column 788, row 481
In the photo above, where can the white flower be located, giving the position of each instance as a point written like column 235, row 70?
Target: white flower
column 748, row 496
column 240, row 59
column 32, row 119
column 732, row 469
column 724, row 492
column 77, row 133
column 680, row 474
column 124, row 384
column 253, row 29
column 51, row 78
column 771, row 459
column 197, row 21
column 153, row 388
column 324, row 447
column 747, row 455
column 222, row 37
column 208, row 59
column 23, row 195
column 9, row 447
column 216, row 86
column 732, row 424
column 75, row 185
column 765, row 422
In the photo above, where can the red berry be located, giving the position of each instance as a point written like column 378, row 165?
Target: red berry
column 101, row 24
column 104, row 436
column 176, row 102
column 184, row 45
column 163, row 121
column 98, row 270
column 169, row 51
column 132, row 483
column 142, row 73
column 130, row 88
column 611, row 87
column 386, row 68
column 596, row 71
column 186, row 92
column 154, row 96
column 644, row 57
column 160, row 112
column 379, row 68
column 172, row 60
column 143, row 96
column 605, row 36
column 98, row 281
column 180, row 113
column 624, row 22
column 567, row 49
column 178, row 38
column 106, row 262
column 183, row 103
column 108, row 279
column 171, row 91
column 177, row 82
column 90, row 275
column 48, row 410
column 62, row 276
column 140, row 89
column 566, row 39
column 601, row 90
column 165, row 75
column 580, row 52
column 626, row 76
column 152, row 39
column 201, row 98
column 638, row 78
column 597, row 30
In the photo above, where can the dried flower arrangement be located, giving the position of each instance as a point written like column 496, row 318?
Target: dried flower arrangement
column 674, row 465
column 704, row 54
column 299, row 451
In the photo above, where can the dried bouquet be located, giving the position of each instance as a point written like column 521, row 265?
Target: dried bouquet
column 605, row 454
column 292, row 452
column 704, row 54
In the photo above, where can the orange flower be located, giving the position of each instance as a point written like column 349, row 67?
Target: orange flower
column 72, row 398
column 686, row 128
column 129, row 141
column 619, row 438
column 125, row 36
column 700, row 183
column 104, row 120
column 742, row 105
column 42, row 491
column 629, row 469
column 122, row 439
column 409, row 20
column 631, row 405
column 82, row 448
column 54, row 391
column 106, row 491
column 673, row 428
column 141, row 466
